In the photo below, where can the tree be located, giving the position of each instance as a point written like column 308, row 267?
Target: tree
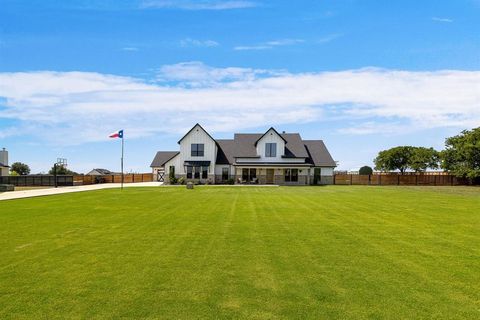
column 365, row 170
column 462, row 154
column 397, row 158
column 62, row 170
column 424, row 158
column 20, row 168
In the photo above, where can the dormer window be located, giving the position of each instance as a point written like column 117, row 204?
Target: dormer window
column 270, row 150
column 197, row 149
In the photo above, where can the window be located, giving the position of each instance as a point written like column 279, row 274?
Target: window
column 253, row 174
column 291, row 175
column 196, row 172
column 249, row 175
column 270, row 150
column 225, row 174
column 189, row 172
column 171, row 171
column 197, row 149
column 245, row 175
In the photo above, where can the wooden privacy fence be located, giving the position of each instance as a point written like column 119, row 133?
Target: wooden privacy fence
column 113, row 178
column 394, row 179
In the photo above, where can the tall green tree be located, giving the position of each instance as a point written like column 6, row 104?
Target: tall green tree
column 462, row 154
column 422, row 159
column 62, row 170
column 397, row 158
column 20, row 168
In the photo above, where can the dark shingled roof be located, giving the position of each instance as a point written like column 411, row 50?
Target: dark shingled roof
column 162, row 157
column 103, row 171
column 294, row 147
column 4, row 165
column 225, row 152
column 243, row 146
column 319, row 155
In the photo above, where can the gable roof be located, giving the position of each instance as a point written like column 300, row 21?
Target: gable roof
column 102, row 171
column 271, row 128
column 163, row 157
column 4, row 165
column 225, row 152
column 294, row 147
column 208, row 134
column 245, row 145
column 318, row 153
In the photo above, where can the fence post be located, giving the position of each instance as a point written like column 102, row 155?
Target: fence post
column 435, row 180
column 334, row 179
column 351, row 178
column 398, row 180
column 416, row 179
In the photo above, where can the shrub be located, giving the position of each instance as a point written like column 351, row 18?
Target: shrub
column 231, row 181
column 365, row 170
column 181, row 180
column 173, row 180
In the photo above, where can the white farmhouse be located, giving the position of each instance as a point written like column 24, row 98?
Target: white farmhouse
column 248, row 158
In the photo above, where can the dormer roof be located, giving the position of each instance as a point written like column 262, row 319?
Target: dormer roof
column 196, row 125
column 271, row 128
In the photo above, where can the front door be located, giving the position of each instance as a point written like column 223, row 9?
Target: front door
column 270, row 174
column 316, row 175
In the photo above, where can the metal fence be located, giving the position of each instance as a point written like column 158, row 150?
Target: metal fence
column 37, row 180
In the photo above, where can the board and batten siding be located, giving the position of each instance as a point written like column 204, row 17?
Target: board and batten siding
column 196, row 135
column 219, row 168
column 270, row 137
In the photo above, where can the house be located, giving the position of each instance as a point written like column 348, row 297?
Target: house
column 263, row 158
column 4, row 168
column 99, row 172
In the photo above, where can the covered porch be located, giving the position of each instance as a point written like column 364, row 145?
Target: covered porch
column 272, row 174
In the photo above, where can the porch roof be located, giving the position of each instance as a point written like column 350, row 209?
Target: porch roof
column 271, row 164
column 196, row 163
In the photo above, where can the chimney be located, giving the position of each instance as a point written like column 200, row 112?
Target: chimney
column 4, row 156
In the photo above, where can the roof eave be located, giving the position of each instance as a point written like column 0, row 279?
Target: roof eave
column 271, row 128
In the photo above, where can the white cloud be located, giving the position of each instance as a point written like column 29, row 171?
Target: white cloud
column 188, row 42
column 196, row 73
column 129, row 49
column 77, row 107
column 270, row 44
column 198, row 4
column 437, row 19
column 329, row 38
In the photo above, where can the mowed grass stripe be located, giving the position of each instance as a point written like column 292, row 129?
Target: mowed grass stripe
column 300, row 252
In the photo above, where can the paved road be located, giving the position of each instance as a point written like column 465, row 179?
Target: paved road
column 51, row 191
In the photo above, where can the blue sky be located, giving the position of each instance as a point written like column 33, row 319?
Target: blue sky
column 362, row 75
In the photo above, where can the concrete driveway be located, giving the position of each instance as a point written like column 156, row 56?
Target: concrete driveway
column 51, row 191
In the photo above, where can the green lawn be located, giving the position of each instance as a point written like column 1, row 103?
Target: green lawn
column 338, row 252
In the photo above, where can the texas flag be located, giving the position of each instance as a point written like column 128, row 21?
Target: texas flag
column 118, row 134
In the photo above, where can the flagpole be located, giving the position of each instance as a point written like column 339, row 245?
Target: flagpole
column 122, row 164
